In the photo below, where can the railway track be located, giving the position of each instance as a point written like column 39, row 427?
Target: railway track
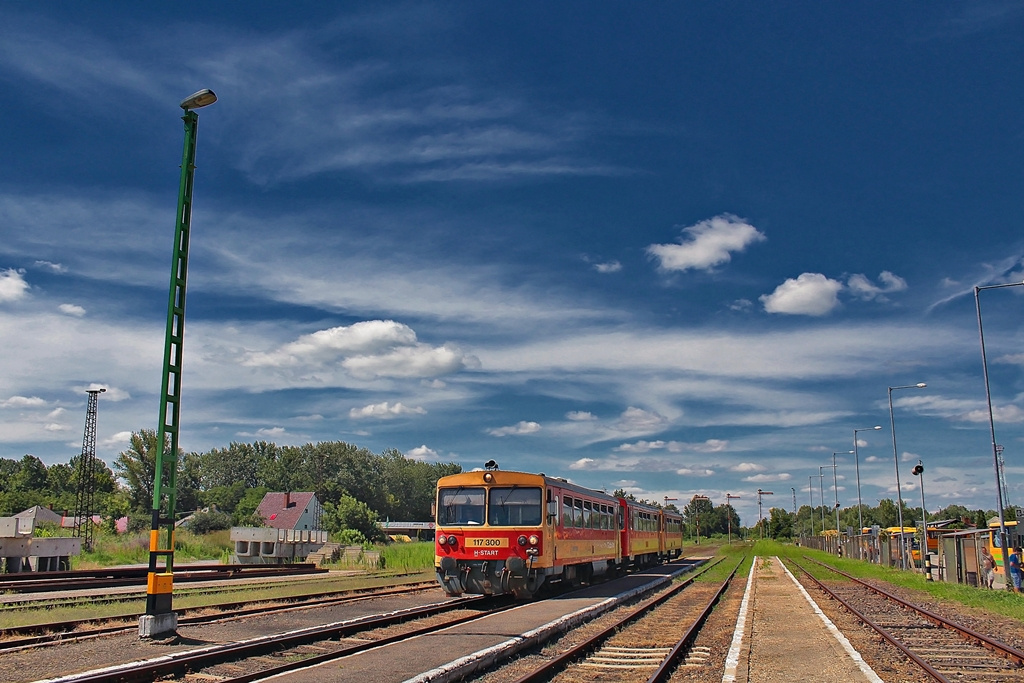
column 116, row 577
column 643, row 643
column 277, row 653
column 51, row 633
column 943, row 649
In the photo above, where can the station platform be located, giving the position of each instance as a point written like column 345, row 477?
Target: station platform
column 782, row 635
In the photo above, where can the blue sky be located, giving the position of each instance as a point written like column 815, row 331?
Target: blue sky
column 674, row 248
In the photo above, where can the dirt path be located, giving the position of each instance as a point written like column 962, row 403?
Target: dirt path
column 786, row 638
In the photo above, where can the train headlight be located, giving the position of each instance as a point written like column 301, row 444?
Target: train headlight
column 442, row 539
column 521, row 540
column 534, row 539
column 452, row 541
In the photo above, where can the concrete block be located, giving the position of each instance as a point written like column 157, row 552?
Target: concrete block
column 158, row 625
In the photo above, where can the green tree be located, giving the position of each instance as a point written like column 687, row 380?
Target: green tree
column 350, row 513
column 245, row 510
column 780, row 524
column 137, row 467
column 224, row 498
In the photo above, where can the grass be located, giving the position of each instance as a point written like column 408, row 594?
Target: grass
column 417, row 556
column 1000, row 602
column 111, row 550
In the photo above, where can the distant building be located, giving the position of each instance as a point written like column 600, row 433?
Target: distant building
column 291, row 510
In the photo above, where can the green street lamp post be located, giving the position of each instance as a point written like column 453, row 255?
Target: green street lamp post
column 159, row 618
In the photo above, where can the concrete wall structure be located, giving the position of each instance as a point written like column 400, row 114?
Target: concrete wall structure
column 261, row 545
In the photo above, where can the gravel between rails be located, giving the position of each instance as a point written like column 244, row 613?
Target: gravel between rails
column 95, row 653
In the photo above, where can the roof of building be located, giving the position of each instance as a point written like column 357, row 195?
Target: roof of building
column 283, row 510
column 40, row 515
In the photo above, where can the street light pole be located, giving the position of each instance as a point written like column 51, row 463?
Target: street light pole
column 896, row 459
column 821, row 495
column 856, row 460
column 159, row 619
column 810, row 495
column 728, row 512
column 992, row 431
column 835, row 485
column 696, row 509
column 759, row 494
column 925, row 567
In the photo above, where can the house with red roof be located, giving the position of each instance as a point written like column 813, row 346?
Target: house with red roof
column 290, row 510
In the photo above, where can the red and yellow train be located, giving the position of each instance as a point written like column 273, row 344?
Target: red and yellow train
column 502, row 532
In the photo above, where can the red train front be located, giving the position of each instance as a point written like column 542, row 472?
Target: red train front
column 504, row 532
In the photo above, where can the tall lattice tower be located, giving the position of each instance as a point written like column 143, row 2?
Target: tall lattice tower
column 87, row 474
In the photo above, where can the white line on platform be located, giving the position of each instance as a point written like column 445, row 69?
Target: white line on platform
column 836, row 633
column 732, row 661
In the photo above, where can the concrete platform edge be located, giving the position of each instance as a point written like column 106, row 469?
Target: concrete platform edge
column 483, row 659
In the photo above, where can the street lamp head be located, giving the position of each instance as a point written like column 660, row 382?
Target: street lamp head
column 202, row 98
column 920, row 385
column 877, row 427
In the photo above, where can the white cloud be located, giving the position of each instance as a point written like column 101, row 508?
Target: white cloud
column 580, row 416
column 422, row 453
column 747, row 467
column 23, row 402
column 711, row 243
column 809, row 294
column 863, row 288
column 1005, row 414
column 642, row 446
column 371, row 336
column 12, row 285
column 55, row 267
column 759, row 478
column 610, row 267
column 637, row 419
column 384, row 411
column 517, row 429
column 582, row 464
column 54, row 428
column 695, row 472
column 71, row 309
column 366, row 350
column 118, row 441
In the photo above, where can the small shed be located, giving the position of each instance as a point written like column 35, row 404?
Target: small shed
column 960, row 556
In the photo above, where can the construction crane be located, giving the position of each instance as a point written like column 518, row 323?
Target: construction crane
column 87, row 473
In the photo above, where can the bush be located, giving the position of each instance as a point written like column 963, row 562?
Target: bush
column 205, row 522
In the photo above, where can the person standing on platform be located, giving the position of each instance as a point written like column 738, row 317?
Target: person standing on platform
column 988, row 568
column 1015, row 570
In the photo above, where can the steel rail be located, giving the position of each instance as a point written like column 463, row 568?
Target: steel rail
column 996, row 646
column 664, row 670
column 563, row 660
column 63, row 632
column 891, row 639
column 39, row 582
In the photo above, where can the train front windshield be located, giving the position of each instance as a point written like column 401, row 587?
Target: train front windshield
column 514, row 506
column 509, row 506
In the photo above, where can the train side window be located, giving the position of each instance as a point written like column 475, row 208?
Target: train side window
column 578, row 504
column 588, row 516
column 567, row 512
